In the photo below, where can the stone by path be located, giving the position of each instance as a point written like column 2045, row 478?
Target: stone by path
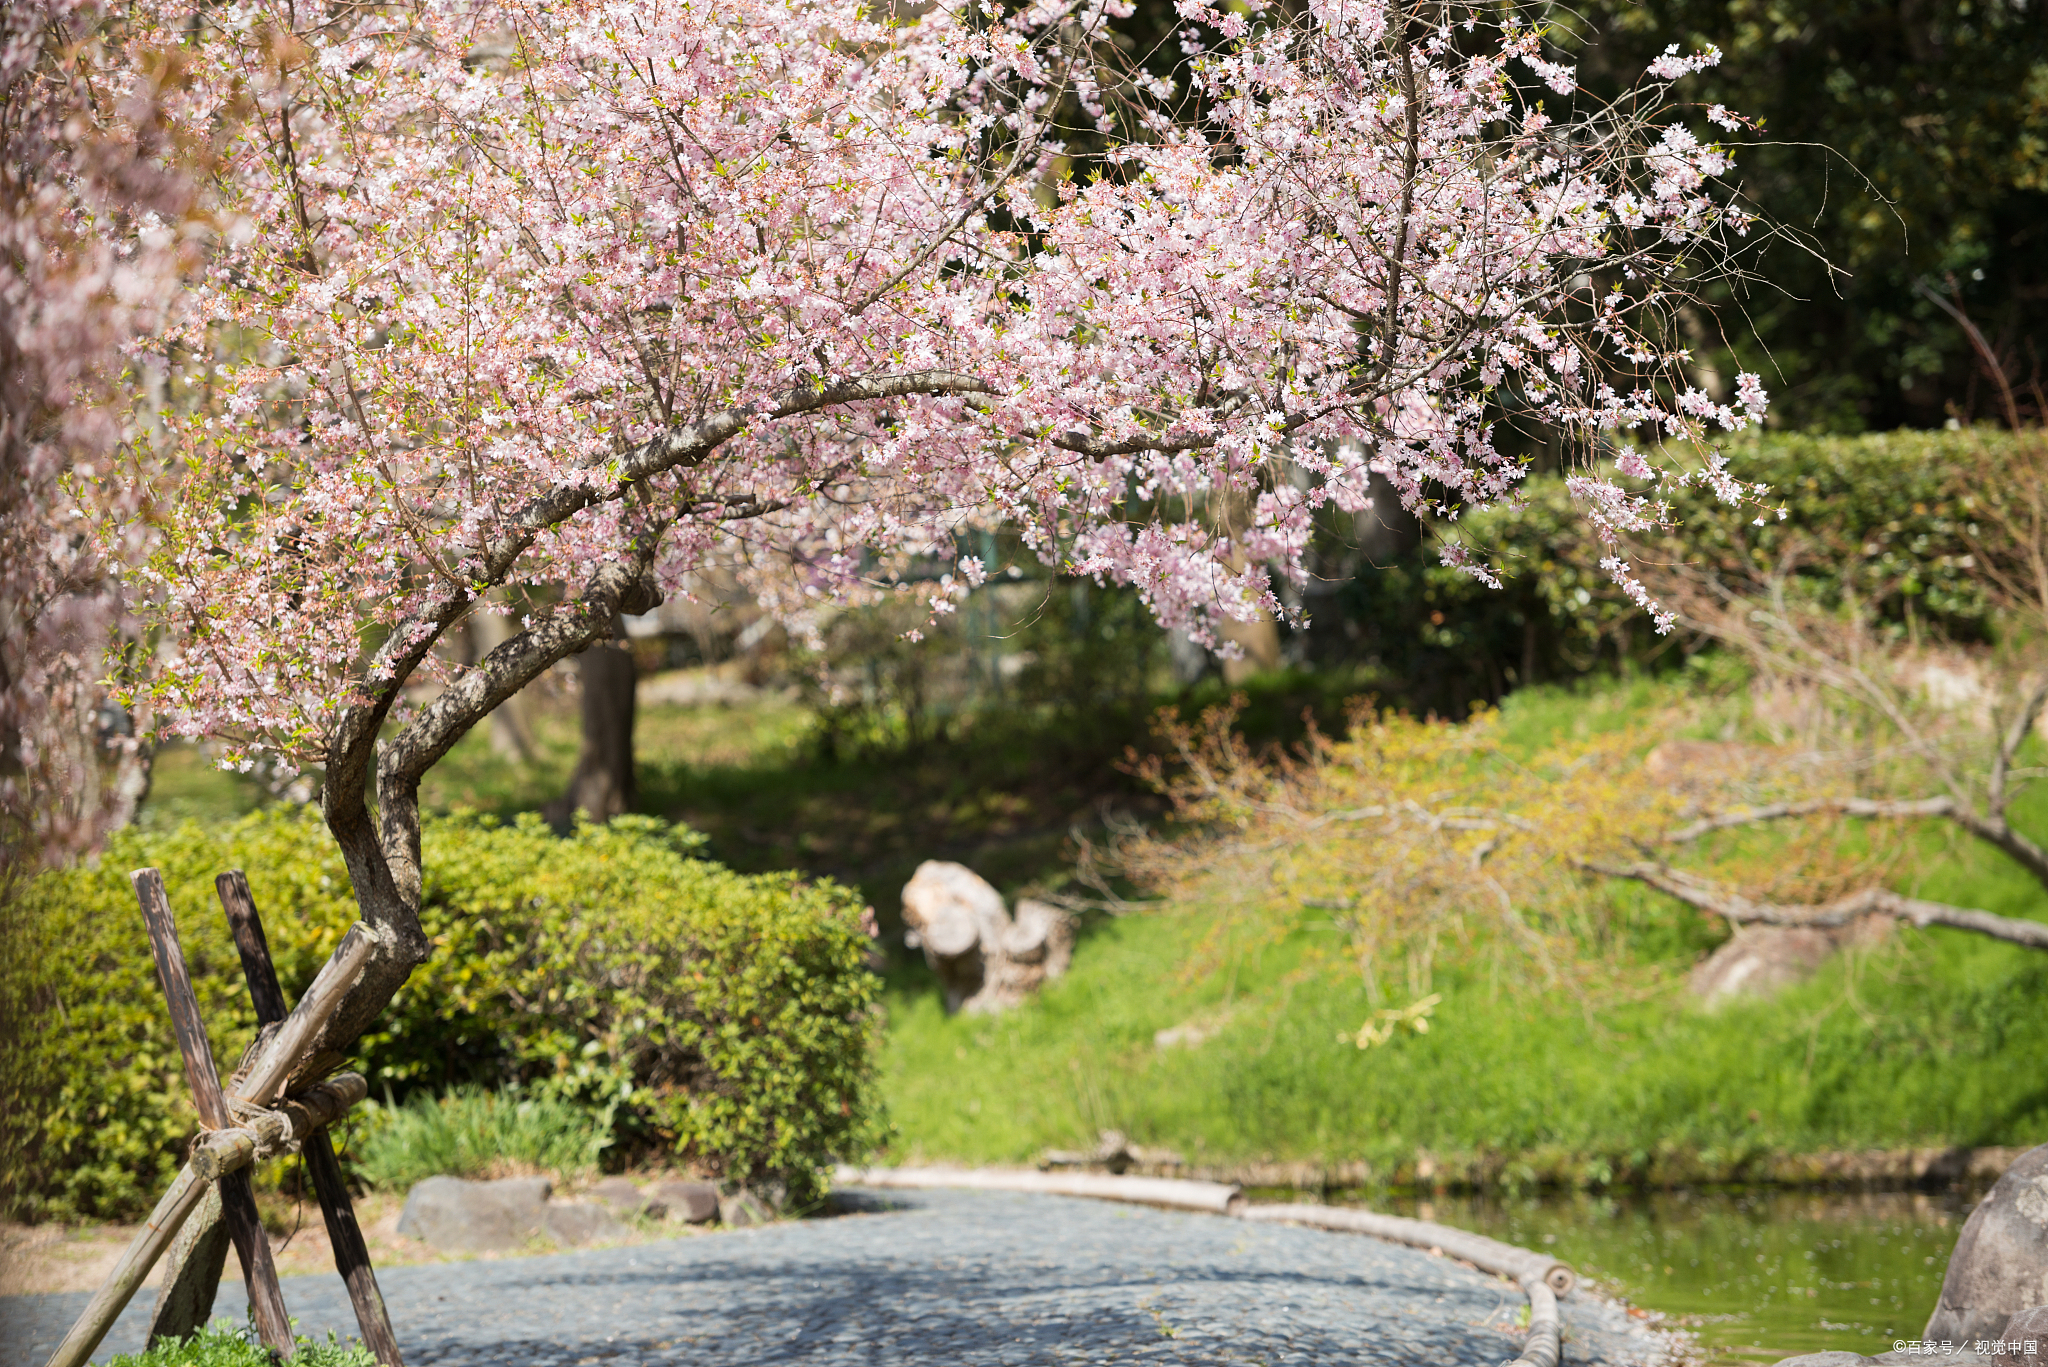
column 937, row 1279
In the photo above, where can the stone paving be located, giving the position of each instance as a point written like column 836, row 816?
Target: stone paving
column 959, row 1279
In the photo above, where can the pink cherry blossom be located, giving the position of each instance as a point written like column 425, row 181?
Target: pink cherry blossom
column 588, row 300
column 94, row 232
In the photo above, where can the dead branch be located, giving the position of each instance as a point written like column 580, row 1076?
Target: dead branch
column 1829, row 806
column 1720, row 901
column 1995, row 831
column 2009, row 747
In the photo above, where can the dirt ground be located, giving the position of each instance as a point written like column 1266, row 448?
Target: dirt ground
column 52, row 1257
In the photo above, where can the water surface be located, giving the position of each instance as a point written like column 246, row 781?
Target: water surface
column 1759, row 1275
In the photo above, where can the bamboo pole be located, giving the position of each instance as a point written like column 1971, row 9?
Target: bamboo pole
column 237, row 1194
column 1175, row 1193
column 321, row 1001
column 1545, row 1345
column 221, row 1152
column 112, row 1298
column 351, row 1250
column 1489, row 1254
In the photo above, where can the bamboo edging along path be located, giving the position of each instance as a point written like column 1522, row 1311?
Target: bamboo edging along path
column 237, row 1131
column 1542, row 1278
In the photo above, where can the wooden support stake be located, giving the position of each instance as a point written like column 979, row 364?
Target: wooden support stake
column 351, row 1252
column 118, row 1289
column 185, row 1302
column 270, row 1072
column 237, row 1194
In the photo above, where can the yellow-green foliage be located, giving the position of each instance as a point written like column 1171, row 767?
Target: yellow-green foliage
column 727, row 1019
column 1432, row 843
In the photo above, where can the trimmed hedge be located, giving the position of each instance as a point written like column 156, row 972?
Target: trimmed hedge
column 728, row 1020
column 1891, row 517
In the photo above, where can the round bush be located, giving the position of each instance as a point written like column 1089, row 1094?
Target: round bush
column 725, row 1019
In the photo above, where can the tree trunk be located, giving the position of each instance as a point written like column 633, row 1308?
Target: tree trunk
column 602, row 786
column 1260, row 642
column 511, row 727
column 985, row 960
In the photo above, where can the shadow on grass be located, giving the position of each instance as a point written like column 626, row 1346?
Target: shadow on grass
column 1001, row 789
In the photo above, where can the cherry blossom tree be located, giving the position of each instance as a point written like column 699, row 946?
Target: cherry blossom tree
column 579, row 300
column 97, row 224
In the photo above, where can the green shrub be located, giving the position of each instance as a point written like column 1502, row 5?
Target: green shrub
column 471, row 1132
column 728, row 1020
column 1888, row 517
column 221, row 1344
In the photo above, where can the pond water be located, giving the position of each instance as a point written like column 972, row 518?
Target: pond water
column 1758, row 1275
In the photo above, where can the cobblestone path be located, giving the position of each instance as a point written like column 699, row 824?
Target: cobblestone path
column 935, row 1279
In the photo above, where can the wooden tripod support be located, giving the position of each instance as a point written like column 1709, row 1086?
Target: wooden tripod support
column 351, row 1253
column 237, row 1132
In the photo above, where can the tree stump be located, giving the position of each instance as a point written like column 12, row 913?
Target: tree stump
column 986, row 961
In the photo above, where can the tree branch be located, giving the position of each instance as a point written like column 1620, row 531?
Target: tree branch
column 1837, row 806
column 1710, row 897
column 348, row 764
column 2009, row 748
column 1995, row 831
column 384, row 867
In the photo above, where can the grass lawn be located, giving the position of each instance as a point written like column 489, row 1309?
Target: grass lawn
column 1927, row 1039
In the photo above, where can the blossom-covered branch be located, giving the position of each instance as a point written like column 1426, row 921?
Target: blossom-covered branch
column 584, row 300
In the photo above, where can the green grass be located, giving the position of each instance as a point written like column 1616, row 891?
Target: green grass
column 470, row 1132
column 221, row 1344
column 1931, row 1038
column 1926, row 1039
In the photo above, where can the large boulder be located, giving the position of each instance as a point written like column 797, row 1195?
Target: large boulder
column 475, row 1217
column 1760, row 960
column 2000, row 1265
column 985, row 959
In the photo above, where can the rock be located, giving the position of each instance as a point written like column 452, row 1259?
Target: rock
column 575, row 1223
column 1831, row 1359
column 1760, row 960
column 2000, row 1265
column 1041, row 935
column 1115, row 1153
column 624, row 1198
column 694, row 1202
column 985, row 960
column 2029, row 1330
column 742, row 1208
column 475, row 1217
